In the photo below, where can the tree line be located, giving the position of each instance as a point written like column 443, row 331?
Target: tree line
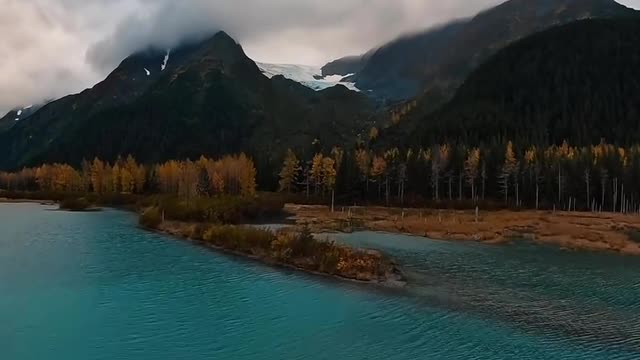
column 229, row 175
column 596, row 178
column 602, row 177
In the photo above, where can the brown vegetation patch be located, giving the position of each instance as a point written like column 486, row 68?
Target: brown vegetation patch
column 294, row 249
column 571, row 230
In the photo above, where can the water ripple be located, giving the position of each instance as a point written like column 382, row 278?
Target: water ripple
column 93, row 286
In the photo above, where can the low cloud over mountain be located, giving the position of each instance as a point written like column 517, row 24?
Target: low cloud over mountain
column 50, row 48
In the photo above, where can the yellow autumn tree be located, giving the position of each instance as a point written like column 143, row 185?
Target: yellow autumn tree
column 97, row 175
column 290, row 171
column 363, row 162
column 509, row 169
column 316, row 172
column 329, row 175
column 373, row 134
column 217, row 183
column 471, row 169
column 378, row 171
column 247, row 176
column 116, row 177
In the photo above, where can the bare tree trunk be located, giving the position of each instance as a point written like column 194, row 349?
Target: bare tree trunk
column 387, row 189
column 602, row 198
column 506, row 190
column 559, row 184
column 460, row 187
column 587, row 178
column 615, row 195
column 366, row 185
column 473, row 190
column 333, row 199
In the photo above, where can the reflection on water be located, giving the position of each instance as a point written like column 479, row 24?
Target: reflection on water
column 94, row 286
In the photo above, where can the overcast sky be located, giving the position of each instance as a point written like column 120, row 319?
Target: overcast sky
column 50, row 48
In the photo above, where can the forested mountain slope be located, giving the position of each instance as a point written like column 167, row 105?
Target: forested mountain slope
column 443, row 56
column 578, row 82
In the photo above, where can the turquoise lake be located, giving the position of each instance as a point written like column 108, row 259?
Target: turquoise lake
column 94, row 286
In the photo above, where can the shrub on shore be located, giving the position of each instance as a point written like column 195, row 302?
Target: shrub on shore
column 151, row 218
column 219, row 210
column 75, row 204
column 107, row 199
column 244, row 239
column 296, row 248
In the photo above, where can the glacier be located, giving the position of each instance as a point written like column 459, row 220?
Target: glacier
column 307, row 75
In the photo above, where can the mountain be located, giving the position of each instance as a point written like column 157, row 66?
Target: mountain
column 309, row 76
column 578, row 82
column 209, row 99
column 348, row 65
column 15, row 115
column 443, row 56
column 345, row 66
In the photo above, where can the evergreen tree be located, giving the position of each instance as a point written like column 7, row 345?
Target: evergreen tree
column 204, row 187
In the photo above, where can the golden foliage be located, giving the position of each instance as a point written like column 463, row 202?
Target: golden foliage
column 373, row 133
column 363, row 161
column 510, row 161
column 234, row 175
column 472, row 165
column 290, row 171
column 379, row 167
column 329, row 173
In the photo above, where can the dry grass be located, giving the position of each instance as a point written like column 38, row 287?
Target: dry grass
column 579, row 231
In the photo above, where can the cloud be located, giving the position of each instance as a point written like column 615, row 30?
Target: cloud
column 42, row 47
column 310, row 31
column 50, row 48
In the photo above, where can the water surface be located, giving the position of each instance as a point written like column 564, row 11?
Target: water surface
column 94, row 286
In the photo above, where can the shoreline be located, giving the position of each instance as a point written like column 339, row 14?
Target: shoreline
column 392, row 280
column 606, row 232
column 49, row 203
column 27, row 201
column 391, row 284
column 576, row 231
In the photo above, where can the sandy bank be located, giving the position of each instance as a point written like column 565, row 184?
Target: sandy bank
column 571, row 230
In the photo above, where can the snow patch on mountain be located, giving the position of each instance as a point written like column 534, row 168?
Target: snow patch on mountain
column 17, row 114
column 309, row 76
column 147, row 71
column 166, row 60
